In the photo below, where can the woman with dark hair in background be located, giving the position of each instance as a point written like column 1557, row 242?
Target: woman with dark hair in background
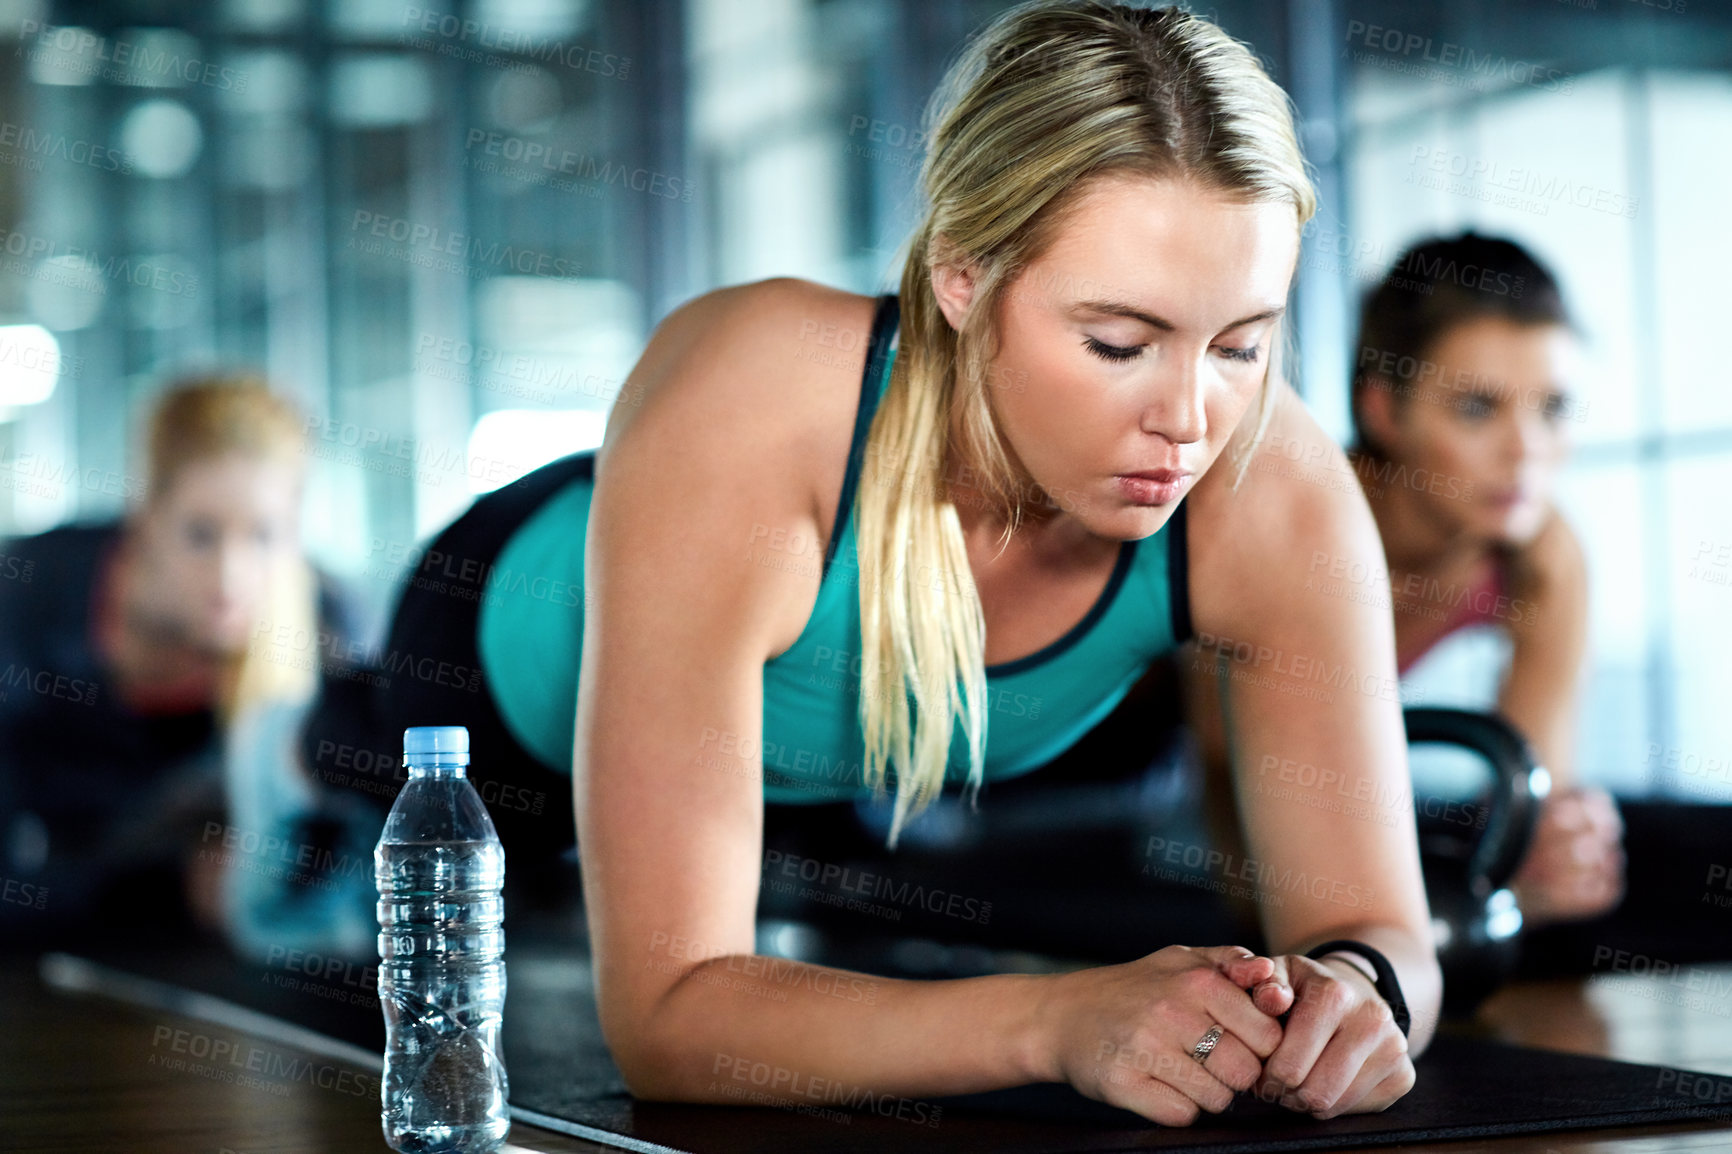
column 1461, row 403
column 126, row 648
column 1486, row 407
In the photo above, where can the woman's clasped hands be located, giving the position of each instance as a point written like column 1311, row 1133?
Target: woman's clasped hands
column 1311, row 1034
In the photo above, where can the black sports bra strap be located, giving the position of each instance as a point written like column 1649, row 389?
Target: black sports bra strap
column 1179, row 573
column 884, row 321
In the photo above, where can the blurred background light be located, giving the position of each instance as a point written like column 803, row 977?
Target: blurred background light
column 508, row 443
column 66, row 292
column 380, row 91
column 29, row 365
column 163, row 138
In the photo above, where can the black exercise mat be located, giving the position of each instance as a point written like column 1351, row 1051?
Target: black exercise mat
column 562, row 1078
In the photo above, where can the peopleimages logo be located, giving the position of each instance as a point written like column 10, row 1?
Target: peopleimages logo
column 44, row 259
column 1517, row 186
column 495, row 44
column 46, row 683
column 430, row 245
column 530, row 155
column 879, row 887
column 29, row 142
column 116, row 58
column 1397, row 50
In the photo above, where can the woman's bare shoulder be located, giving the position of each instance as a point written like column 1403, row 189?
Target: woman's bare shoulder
column 1298, row 513
column 754, row 366
column 745, row 398
column 1295, row 469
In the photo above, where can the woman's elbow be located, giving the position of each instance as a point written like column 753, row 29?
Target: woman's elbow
column 645, row 1077
column 653, row 1063
column 661, row 1073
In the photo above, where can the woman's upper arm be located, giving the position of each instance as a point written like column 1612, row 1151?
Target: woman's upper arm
column 667, row 770
column 1287, row 599
column 1550, row 642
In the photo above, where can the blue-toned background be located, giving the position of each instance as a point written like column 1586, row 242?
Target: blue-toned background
column 448, row 229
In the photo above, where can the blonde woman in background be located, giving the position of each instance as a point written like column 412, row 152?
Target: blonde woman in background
column 834, row 545
column 128, row 650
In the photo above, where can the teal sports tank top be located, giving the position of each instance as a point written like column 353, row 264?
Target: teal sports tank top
column 530, row 637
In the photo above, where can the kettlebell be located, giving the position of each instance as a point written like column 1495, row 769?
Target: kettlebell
column 1470, row 852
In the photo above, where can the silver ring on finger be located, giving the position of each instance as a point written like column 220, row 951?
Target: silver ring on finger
column 1203, row 1048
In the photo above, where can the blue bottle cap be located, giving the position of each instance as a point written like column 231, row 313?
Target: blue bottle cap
column 422, row 740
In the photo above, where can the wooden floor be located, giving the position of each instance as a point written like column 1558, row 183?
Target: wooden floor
column 88, row 1074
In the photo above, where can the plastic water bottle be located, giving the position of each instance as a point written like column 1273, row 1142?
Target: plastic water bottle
column 440, row 869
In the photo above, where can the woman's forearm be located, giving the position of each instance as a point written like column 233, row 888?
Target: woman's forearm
column 735, row 1028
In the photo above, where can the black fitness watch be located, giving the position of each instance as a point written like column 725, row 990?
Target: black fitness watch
column 1387, row 986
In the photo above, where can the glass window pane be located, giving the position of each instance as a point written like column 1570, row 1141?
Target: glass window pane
column 1604, row 505
column 1697, row 760
column 1692, row 248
